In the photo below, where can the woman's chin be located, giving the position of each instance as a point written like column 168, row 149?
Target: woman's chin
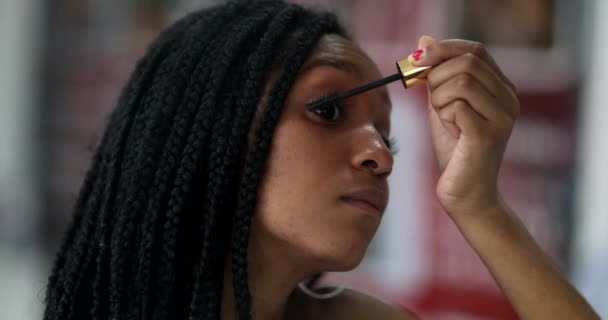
column 341, row 262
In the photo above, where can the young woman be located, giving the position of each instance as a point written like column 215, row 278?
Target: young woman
column 216, row 191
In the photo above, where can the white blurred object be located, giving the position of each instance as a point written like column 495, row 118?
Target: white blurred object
column 23, row 278
column 590, row 263
column 22, row 273
column 19, row 34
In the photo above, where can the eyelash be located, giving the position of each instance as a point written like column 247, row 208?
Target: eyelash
column 390, row 142
column 325, row 106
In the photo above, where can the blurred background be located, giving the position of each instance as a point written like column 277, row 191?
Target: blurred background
column 64, row 62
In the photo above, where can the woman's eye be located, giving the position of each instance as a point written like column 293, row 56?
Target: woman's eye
column 326, row 107
column 329, row 112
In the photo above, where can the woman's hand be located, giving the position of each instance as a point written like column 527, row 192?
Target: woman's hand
column 472, row 107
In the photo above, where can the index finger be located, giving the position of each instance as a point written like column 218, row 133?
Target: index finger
column 440, row 51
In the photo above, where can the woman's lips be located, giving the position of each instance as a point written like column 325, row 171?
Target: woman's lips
column 364, row 205
column 370, row 199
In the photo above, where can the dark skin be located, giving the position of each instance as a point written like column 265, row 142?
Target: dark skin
column 303, row 226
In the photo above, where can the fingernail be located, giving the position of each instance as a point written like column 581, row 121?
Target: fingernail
column 417, row 55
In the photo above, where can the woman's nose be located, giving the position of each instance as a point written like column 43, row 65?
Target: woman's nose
column 373, row 155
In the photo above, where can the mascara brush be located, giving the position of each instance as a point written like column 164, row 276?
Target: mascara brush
column 409, row 74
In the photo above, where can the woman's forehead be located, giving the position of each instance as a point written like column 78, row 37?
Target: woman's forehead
column 334, row 47
column 343, row 54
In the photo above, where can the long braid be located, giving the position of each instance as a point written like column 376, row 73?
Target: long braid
column 149, row 226
column 60, row 280
column 164, row 46
column 145, row 137
column 153, row 220
column 255, row 166
column 162, row 183
column 190, row 157
column 63, row 274
column 253, row 84
column 256, row 65
column 223, row 178
column 174, row 148
column 129, row 158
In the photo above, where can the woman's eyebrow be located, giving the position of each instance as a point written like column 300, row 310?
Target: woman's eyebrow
column 341, row 65
column 345, row 66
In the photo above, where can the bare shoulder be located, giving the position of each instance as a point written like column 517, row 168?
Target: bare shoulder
column 358, row 305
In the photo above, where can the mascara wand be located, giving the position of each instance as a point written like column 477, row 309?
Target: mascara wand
column 411, row 75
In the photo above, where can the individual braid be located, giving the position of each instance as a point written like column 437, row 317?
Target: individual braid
column 172, row 86
column 255, row 165
column 146, row 149
column 60, row 281
column 235, row 147
column 222, row 71
column 162, row 179
column 163, row 286
column 152, row 223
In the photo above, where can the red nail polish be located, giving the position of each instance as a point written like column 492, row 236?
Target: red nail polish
column 417, row 55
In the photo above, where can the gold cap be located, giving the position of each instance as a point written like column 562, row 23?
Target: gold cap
column 412, row 75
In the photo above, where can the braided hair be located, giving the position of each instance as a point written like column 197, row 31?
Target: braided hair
column 173, row 184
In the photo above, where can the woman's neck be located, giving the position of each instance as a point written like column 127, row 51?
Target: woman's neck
column 269, row 301
column 272, row 283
